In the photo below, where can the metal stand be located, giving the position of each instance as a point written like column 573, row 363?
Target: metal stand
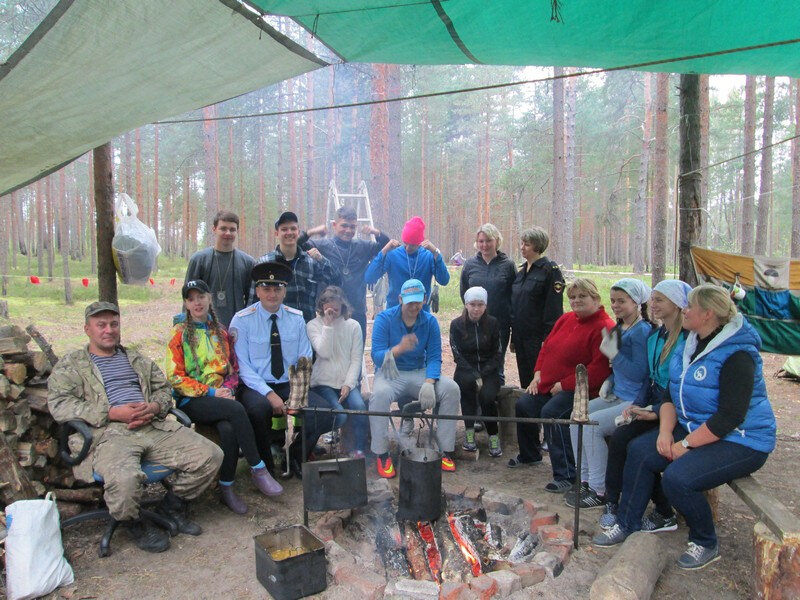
column 578, row 459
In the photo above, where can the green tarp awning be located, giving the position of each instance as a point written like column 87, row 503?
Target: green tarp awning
column 592, row 33
column 94, row 69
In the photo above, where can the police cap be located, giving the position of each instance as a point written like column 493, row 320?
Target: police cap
column 271, row 273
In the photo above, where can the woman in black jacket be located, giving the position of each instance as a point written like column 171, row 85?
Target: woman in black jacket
column 494, row 271
column 475, row 341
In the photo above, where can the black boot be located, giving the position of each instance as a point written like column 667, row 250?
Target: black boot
column 177, row 509
column 146, row 536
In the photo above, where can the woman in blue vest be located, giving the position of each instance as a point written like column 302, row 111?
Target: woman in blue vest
column 716, row 425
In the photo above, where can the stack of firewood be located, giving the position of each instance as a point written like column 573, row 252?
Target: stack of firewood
column 29, row 461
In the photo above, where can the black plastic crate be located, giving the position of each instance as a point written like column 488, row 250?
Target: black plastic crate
column 291, row 577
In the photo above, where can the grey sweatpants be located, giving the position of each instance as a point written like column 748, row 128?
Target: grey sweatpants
column 404, row 389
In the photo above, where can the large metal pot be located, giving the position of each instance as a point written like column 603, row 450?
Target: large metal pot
column 420, row 484
column 335, row 484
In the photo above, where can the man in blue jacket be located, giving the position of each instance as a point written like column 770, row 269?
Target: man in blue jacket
column 407, row 352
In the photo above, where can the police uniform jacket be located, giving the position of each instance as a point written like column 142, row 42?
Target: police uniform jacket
column 537, row 300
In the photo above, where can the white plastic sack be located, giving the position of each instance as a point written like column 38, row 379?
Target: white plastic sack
column 135, row 246
column 35, row 563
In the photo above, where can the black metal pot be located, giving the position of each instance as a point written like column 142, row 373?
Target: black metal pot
column 420, row 484
column 335, row 484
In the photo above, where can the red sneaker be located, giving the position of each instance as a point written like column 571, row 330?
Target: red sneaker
column 448, row 464
column 386, row 468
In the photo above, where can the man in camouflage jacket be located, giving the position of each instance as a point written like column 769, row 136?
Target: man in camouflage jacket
column 124, row 397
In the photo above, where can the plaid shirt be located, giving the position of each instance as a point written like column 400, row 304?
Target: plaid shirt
column 310, row 278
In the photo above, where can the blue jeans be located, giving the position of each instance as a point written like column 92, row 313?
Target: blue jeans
column 354, row 401
column 558, row 406
column 683, row 481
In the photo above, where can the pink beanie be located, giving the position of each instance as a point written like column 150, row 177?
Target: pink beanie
column 413, row 231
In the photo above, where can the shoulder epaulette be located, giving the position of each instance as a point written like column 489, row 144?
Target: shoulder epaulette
column 293, row 310
column 247, row 311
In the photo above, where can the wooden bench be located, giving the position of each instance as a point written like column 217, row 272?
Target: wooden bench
column 776, row 541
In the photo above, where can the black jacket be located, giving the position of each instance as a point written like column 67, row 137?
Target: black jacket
column 537, row 298
column 473, row 350
column 496, row 278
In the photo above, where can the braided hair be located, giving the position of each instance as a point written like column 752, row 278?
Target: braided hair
column 214, row 328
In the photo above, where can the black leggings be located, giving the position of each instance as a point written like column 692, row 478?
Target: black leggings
column 233, row 426
column 618, row 453
column 487, row 398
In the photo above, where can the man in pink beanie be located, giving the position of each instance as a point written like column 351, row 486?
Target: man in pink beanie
column 416, row 258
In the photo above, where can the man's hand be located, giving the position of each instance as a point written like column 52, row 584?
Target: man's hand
column 407, row 344
column 315, row 254
column 318, row 230
column 134, row 414
column 344, row 393
column 368, row 230
column 428, row 245
column 533, row 388
column 641, row 414
column 223, row 392
column 390, row 245
column 276, row 402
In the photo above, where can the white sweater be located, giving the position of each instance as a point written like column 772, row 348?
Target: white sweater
column 339, row 352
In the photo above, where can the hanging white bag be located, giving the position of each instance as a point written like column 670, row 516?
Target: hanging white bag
column 35, row 563
column 135, row 247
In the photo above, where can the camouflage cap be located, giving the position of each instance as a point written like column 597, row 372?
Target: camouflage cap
column 98, row 307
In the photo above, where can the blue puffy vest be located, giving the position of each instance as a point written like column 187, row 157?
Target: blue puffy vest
column 694, row 386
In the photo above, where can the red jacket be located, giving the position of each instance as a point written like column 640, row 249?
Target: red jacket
column 572, row 342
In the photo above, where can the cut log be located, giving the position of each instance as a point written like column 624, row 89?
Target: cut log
column 8, row 420
column 20, row 486
column 13, row 345
column 42, row 343
column 15, row 391
column 26, row 454
column 37, row 398
column 15, row 372
column 68, row 509
column 777, row 565
column 59, row 476
column 88, row 495
column 47, row 447
column 506, row 403
column 41, row 363
column 22, row 413
column 632, row 572
column 5, row 387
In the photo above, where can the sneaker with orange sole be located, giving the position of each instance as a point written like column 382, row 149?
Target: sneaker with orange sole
column 386, row 468
column 448, row 464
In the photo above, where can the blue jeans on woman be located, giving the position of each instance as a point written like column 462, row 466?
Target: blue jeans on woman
column 354, row 401
column 557, row 406
column 684, row 480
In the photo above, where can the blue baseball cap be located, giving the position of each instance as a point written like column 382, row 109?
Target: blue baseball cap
column 412, row 291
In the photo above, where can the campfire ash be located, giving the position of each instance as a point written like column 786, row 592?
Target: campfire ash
column 458, row 526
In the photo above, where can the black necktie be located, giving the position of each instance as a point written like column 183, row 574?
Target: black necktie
column 276, row 359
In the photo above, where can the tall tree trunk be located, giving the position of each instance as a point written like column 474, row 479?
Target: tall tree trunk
column 128, row 166
column 704, row 129
column 292, row 134
column 209, row 168
column 392, row 219
column 487, row 180
column 104, row 205
column 63, row 234
column 154, row 222
column 5, row 206
column 91, row 219
column 13, row 205
column 51, row 251
column 558, row 241
column 185, row 246
column 40, row 225
column 765, row 190
column 749, row 166
column 570, row 108
column 231, row 173
column 138, row 152
column 660, row 180
column 689, row 184
column 640, row 203
column 279, row 176
column 262, row 232
column 310, row 217
column 795, row 249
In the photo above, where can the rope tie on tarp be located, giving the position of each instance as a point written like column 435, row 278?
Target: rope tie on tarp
column 555, row 11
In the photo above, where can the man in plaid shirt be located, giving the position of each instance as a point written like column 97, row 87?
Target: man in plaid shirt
column 312, row 271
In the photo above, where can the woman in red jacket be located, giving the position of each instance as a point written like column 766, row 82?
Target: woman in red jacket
column 575, row 339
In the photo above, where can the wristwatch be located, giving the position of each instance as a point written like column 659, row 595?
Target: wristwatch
column 685, row 444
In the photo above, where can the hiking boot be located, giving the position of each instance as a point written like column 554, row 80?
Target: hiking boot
column 177, row 509
column 146, row 536
column 469, row 441
column 655, row 522
column 588, row 499
column 558, row 486
column 569, row 496
column 448, row 464
column 231, row 500
column 494, row 446
column 612, row 537
column 697, row 557
column 265, row 483
column 609, row 517
column 386, row 468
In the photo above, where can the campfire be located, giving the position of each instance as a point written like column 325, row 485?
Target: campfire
column 472, row 537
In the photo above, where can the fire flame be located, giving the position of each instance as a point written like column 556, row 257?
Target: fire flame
column 431, row 549
column 465, row 545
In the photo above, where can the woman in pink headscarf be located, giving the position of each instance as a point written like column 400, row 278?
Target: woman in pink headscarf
column 415, row 258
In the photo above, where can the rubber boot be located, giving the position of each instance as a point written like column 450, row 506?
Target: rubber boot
column 265, row 483
column 231, row 500
column 177, row 509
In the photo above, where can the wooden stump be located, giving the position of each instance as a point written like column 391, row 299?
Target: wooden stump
column 506, row 401
column 777, row 565
column 633, row 571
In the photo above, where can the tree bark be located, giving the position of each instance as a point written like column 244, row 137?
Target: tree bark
column 51, row 256
column 570, row 102
column 63, row 235
column 704, row 129
column 393, row 220
column 40, row 225
column 128, row 166
column 309, row 208
column 13, row 205
column 640, row 203
column 5, row 202
column 795, row 246
column 557, row 234
column 104, row 205
column 91, row 219
column 749, row 166
column 765, row 187
column 660, row 181
column 689, row 181
column 209, row 164
column 154, row 222
column 138, row 153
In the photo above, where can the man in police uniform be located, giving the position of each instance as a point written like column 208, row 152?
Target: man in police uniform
column 269, row 337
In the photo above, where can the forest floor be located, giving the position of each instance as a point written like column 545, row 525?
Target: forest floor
column 221, row 564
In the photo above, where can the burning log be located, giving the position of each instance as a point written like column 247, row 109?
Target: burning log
column 416, row 556
column 465, row 544
column 431, row 549
column 389, row 542
column 454, row 567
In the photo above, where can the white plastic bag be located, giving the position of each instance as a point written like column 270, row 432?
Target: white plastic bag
column 135, row 246
column 35, row 563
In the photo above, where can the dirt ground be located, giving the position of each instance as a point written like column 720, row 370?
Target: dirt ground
column 221, row 562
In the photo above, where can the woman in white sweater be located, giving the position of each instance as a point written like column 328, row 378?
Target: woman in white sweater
column 337, row 342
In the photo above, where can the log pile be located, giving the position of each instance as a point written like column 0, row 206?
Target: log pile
column 29, row 461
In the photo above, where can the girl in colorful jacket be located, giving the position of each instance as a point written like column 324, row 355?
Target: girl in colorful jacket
column 202, row 369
